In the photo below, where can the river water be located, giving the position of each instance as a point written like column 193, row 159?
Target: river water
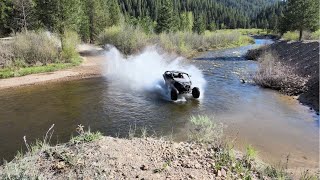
column 276, row 125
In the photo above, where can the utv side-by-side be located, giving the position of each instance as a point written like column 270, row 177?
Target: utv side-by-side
column 179, row 83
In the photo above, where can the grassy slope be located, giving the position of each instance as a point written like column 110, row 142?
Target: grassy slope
column 22, row 71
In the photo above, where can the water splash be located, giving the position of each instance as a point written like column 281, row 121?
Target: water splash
column 143, row 72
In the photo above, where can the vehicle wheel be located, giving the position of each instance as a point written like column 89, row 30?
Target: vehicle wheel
column 174, row 94
column 196, row 92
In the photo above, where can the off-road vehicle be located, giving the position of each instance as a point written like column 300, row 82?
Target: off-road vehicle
column 179, row 83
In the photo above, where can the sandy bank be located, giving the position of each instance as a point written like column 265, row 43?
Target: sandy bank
column 91, row 67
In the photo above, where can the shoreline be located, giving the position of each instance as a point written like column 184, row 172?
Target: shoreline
column 91, row 155
column 90, row 67
column 302, row 57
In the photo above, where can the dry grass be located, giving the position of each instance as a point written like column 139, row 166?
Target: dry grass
column 35, row 47
column 6, row 55
column 89, row 155
column 203, row 129
column 275, row 75
column 307, row 35
column 37, row 52
column 129, row 40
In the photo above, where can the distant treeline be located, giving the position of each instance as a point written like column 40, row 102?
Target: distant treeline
column 89, row 17
column 216, row 14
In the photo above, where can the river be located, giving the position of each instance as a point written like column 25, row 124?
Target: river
column 276, row 125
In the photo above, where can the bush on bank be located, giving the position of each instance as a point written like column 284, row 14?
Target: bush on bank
column 35, row 52
column 307, row 35
column 275, row 75
column 129, row 39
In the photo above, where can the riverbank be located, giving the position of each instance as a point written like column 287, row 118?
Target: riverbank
column 303, row 60
column 91, row 156
column 91, row 66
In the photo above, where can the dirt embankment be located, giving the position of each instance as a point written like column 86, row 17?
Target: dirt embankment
column 303, row 58
column 91, row 66
column 137, row 158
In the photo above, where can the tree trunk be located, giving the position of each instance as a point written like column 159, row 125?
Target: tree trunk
column 300, row 34
column 24, row 17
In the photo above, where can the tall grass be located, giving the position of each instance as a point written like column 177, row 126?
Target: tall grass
column 307, row 35
column 203, row 129
column 275, row 75
column 70, row 41
column 291, row 36
column 129, row 39
column 6, row 55
column 35, row 47
column 35, row 52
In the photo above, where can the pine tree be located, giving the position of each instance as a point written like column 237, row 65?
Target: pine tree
column 6, row 14
column 199, row 24
column 190, row 20
column 24, row 13
column 301, row 15
column 165, row 20
column 115, row 13
column 97, row 18
column 213, row 26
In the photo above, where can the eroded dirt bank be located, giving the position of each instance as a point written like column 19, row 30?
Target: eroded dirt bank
column 138, row 158
column 303, row 58
column 91, row 66
column 95, row 157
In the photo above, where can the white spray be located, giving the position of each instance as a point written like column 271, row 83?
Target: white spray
column 143, row 72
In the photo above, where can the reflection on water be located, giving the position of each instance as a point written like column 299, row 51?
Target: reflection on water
column 275, row 124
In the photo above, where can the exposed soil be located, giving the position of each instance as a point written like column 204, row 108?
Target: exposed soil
column 90, row 67
column 303, row 58
column 138, row 158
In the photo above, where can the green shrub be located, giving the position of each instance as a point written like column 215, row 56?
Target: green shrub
column 33, row 47
column 127, row 39
column 291, row 36
column 85, row 136
column 316, row 35
column 70, row 42
column 251, row 153
column 307, row 35
column 203, row 129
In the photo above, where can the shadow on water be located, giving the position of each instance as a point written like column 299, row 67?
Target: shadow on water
column 275, row 124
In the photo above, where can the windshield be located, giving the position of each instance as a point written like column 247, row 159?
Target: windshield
column 181, row 76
